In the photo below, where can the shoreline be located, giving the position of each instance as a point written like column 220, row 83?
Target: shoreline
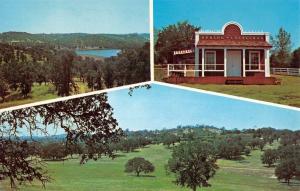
column 76, row 49
column 84, row 56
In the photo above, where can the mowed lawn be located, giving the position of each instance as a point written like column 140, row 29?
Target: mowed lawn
column 287, row 93
column 106, row 174
column 38, row 93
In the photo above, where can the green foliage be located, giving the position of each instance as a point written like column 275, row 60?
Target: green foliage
column 285, row 170
column 170, row 139
column 53, row 151
column 247, row 151
column 138, row 165
column 24, row 64
column 230, row 147
column 87, row 120
column 193, row 163
column 289, row 162
column 3, row 87
column 16, row 166
column 26, row 77
column 289, row 138
column 296, row 58
column 174, row 37
column 282, row 49
column 61, row 72
column 269, row 157
column 76, row 40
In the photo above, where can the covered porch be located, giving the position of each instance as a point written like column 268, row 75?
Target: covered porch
column 226, row 62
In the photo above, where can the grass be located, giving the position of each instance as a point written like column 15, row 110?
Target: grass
column 106, row 174
column 287, row 93
column 159, row 74
column 38, row 93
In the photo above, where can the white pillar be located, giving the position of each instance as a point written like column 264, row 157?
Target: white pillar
column 225, row 62
column 196, row 62
column 267, row 63
column 203, row 61
column 168, row 70
column 244, row 63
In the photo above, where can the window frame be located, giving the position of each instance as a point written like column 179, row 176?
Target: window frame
column 214, row 65
column 250, row 59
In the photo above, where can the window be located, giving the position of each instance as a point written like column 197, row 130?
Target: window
column 210, row 60
column 254, row 60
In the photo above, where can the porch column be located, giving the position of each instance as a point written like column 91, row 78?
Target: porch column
column 267, row 63
column 244, row 63
column 196, row 61
column 225, row 62
column 203, row 49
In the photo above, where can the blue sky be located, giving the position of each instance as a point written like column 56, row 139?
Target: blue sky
column 69, row 16
column 257, row 15
column 166, row 107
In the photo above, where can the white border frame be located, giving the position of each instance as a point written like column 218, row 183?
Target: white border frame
column 151, row 24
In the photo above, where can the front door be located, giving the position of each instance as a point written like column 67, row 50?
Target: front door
column 234, row 63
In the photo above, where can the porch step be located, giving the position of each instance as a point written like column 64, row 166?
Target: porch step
column 234, row 81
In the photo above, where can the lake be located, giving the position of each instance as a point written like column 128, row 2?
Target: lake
column 105, row 53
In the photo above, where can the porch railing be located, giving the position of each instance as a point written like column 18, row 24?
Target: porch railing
column 254, row 68
column 185, row 68
column 286, row 71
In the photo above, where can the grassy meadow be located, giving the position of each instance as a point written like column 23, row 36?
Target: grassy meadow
column 107, row 174
column 287, row 93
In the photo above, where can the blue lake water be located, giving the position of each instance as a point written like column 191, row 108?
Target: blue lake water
column 106, row 53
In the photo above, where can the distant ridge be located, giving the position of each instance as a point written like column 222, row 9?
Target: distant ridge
column 77, row 40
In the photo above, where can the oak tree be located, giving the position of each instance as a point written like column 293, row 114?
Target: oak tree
column 193, row 164
column 138, row 165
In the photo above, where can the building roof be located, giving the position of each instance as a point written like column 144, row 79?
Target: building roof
column 233, row 43
column 232, row 35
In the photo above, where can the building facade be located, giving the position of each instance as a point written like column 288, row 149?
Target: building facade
column 231, row 54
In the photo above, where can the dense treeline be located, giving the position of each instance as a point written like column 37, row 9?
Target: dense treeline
column 228, row 144
column 130, row 66
column 23, row 66
column 76, row 40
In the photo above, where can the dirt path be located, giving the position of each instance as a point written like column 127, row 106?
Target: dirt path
column 253, row 169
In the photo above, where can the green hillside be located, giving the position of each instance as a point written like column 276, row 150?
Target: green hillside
column 77, row 40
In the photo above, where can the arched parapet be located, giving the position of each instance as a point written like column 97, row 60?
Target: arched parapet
column 232, row 29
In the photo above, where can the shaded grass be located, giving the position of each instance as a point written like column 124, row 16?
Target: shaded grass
column 38, row 93
column 107, row 174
